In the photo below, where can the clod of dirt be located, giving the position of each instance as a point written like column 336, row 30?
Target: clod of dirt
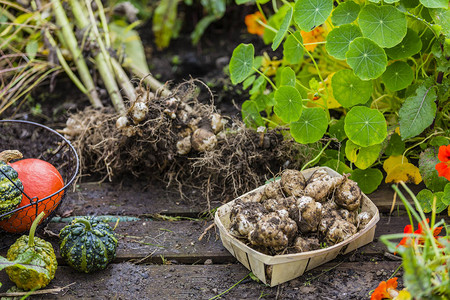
column 293, row 182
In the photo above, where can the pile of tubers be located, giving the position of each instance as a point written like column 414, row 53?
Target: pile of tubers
column 295, row 215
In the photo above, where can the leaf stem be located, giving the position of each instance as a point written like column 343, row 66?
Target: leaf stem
column 265, row 77
column 317, row 156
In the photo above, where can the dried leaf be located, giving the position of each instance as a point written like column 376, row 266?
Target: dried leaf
column 405, row 172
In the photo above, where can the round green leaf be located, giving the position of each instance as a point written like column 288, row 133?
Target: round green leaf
column 435, row 3
column 311, row 126
column 368, row 180
column 283, row 29
column 336, row 129
column 311, row 13
column 287, row 77
column 427, row 162
column 340, row 38
column 292, row 49
column 288, row 104
column 385, row 25
column 241, row 62
column 410, row 45
column 345, row 13
column 446, row 196
column 395, row 146
column 349, row 90
column 250, row 114
column 425, row 197
column 398, row 76
column 366, row 58
column 338, row 166
column 362, row 157
column 365, row 126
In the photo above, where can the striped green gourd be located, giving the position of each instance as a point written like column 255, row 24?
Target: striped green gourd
column 10, row 185
column 87, row 244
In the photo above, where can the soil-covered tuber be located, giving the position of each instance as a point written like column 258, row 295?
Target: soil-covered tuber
column 304, row 244
column 244, row 216
column 289, row 204
column 339, row 231
column 293, row 182
column 203, row 140
column 254, row 196
column 273, row 190
column 274, row 230
column 322, row 186
column 310, row 214
column 362, row 219
column 348, row 195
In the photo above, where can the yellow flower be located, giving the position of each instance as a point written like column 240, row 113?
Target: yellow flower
column 314, row 36
column 253, row 26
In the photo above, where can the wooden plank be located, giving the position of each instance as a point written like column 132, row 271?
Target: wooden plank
column 140, row 199
column 336, row 280
column 155, row 241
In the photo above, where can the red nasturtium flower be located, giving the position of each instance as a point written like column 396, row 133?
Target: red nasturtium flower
column 253, row 26
column 386, row 290
column 443, row 167
column 406, row 241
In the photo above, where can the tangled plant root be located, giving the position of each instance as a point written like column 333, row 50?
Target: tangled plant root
column 238, row 161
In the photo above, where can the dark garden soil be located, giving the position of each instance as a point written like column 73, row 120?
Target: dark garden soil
column 160, row 255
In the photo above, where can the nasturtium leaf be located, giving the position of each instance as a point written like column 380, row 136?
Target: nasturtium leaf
column 366, row 58
column 250, row 114
column 283, row 29
column 349, row 90
column 311, row 126
column 336, row 130
column 435, row 3
column 417, row 112
column 438, row 141
column 392, row 161
column 368, row 180
column 338, row 166
column 385, row 25
column 405, row 172
column 258, row 85
column 446, row 196
column 409, row 3
column 395, row 145
column 311, row 13
column 427, row 162
column 292, row 49
column 248, row 82
column 345, row 13
column 410, row 45
column 362, row 157
column 426, row 199
column 442, row 18
column 241, row 62
column 288, row 104
column 339, row 39
column 365, row 126
column 287, row 77
column 262, row 101
column 398, row 76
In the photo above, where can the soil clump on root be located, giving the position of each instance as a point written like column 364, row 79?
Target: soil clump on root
column 181, row 142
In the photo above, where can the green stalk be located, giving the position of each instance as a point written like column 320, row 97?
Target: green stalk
column 85, row 222
column 33, row 229
column 124, row 81
column 154, row 84
column 103, row 59
column 71, row 41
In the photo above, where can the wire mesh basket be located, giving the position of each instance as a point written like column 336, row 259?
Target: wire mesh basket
column 34, row 140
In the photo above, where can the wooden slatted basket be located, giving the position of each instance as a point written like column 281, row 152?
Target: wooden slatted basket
column 273, row 270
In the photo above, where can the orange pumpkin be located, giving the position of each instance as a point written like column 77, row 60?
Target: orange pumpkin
column 40, row 179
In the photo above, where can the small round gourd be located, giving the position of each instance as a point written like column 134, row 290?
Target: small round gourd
column 10, row 185
column 33, row 251
column 87, row 244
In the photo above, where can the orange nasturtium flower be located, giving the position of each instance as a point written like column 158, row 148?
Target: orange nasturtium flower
column 314, row 36
column 406, row 241
column 443, row 167
column 253, row 26
column 386, row 290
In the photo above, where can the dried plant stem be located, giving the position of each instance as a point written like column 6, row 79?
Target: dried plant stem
column 71, row 42
column 101, row 58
